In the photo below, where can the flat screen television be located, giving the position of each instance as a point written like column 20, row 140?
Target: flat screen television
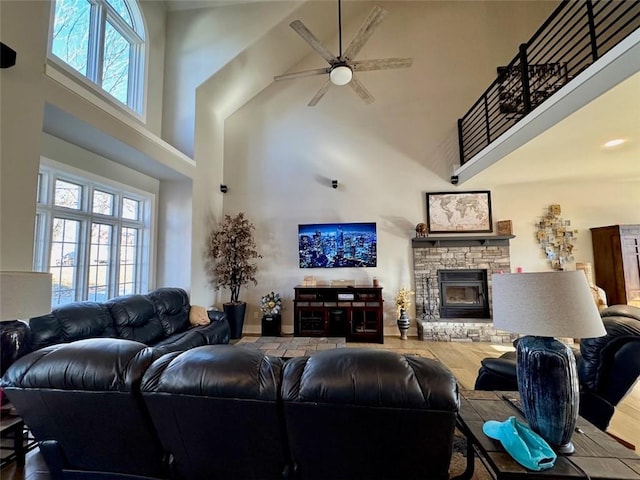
column 336, row 245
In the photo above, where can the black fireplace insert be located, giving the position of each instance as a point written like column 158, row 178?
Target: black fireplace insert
column 463, row 294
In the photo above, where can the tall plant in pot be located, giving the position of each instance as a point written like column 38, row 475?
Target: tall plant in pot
column 230, row 264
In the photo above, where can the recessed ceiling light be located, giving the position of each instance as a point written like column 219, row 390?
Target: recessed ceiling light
column 614, row 143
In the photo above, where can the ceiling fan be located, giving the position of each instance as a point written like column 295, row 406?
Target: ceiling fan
column 342, row 68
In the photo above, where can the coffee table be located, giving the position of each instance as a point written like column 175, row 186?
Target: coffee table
column 597, row 455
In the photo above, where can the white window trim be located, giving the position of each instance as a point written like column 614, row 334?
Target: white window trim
column 92, row 91
column 46, row 211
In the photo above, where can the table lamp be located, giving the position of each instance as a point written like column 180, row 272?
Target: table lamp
column 542, row 306
column 22, row 295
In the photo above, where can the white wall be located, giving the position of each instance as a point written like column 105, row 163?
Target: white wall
column 24, row 91
column 586, row 204
column 174, row 234
column 198, row 44
column 74, row 156
column 280, row 155
column 154, row 13
column 23, row 26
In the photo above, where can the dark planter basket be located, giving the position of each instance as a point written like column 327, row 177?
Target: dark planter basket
column 235, row 316
column 271, row 325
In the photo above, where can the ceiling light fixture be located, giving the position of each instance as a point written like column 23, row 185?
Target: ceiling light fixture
column 614, row 143
column 341, row 75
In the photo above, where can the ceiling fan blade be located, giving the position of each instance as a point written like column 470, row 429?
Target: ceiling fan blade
column 311, row 39
column 306, row 73
column 320, row 94
column 381, row 64
column 362, row 92
column 366, row 30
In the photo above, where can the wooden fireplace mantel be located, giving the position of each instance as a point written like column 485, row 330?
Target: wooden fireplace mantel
column 461, row 241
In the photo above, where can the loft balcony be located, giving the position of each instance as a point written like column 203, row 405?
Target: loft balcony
column 582, row 50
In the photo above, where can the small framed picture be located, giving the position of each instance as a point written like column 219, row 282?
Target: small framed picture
column 504, row 227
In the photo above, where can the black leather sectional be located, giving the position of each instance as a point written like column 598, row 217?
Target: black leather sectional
column 159, row 319
column 104, row 408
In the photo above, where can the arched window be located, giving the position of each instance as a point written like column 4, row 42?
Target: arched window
column 103, row 40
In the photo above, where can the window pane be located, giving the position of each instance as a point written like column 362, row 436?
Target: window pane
column 65, row 245
column 123, row 10
column 68, row 194
column 115, row 68
column 127, row 261
column 71, row 33
column 39, row 188
column 102, row 202
column 99, row 262
column 130, row 209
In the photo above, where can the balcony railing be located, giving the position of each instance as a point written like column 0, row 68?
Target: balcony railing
column 576, row 34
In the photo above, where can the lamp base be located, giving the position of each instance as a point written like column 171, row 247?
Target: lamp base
column 566, row 449
column 548, row 385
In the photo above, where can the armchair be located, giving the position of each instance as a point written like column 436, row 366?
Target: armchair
column 608, row 367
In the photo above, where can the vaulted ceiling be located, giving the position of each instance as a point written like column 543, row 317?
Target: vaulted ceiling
column 564, row 140
column 561, row 142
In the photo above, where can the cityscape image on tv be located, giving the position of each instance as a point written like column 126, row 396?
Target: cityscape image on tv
column 334, row 245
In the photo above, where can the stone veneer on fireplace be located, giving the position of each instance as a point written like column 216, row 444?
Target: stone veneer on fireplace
column 430, row 254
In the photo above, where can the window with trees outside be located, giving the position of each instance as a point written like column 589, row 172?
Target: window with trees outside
column 92, row 236
column 104, row 41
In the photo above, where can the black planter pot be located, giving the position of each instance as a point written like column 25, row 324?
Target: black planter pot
column 235, row 316
column 271, row 325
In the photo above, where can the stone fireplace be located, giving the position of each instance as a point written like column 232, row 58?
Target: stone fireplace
column 464, row 313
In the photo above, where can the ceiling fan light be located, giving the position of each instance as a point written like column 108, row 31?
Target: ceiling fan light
column 341, row 75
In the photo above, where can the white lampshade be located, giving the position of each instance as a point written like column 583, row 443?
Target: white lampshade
column 24, row 295
column 546, row 304
column 341, row 75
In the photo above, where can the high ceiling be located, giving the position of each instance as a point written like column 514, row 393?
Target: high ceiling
column 570, row 146
column 173, row 5
column 567, row 147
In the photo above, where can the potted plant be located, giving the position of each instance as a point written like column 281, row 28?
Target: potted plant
column 403, row 300
column 230, row 254
column 271, row 305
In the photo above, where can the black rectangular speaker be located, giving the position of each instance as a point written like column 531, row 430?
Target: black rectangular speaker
column 7, row 56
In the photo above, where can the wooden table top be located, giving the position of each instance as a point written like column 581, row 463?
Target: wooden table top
column 596, row 452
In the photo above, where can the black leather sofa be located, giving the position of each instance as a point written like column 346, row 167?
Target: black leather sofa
column 608, row 366
column 159, row 319
column 225, row 412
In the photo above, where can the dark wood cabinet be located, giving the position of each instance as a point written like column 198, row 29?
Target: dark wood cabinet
column 616, row 258
column 351, row 312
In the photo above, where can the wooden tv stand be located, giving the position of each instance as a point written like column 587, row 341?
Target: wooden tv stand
column 327, row 311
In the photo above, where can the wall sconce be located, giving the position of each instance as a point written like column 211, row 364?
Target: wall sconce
column 224, row 188
column 334, row 183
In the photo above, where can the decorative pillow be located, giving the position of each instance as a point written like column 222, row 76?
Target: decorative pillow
column 198, row 315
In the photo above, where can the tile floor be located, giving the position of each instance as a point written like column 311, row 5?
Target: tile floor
column 289, row 346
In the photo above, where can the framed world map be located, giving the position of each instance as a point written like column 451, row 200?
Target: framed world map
column 459, row 212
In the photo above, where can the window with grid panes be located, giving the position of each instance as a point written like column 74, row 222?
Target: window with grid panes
column 93, row 236
column 103, row 41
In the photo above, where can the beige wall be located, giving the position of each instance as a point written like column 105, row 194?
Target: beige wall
column 24, row 91
column 280, row 155
column 199, row 43
column 586, row 204
column 21, row 112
